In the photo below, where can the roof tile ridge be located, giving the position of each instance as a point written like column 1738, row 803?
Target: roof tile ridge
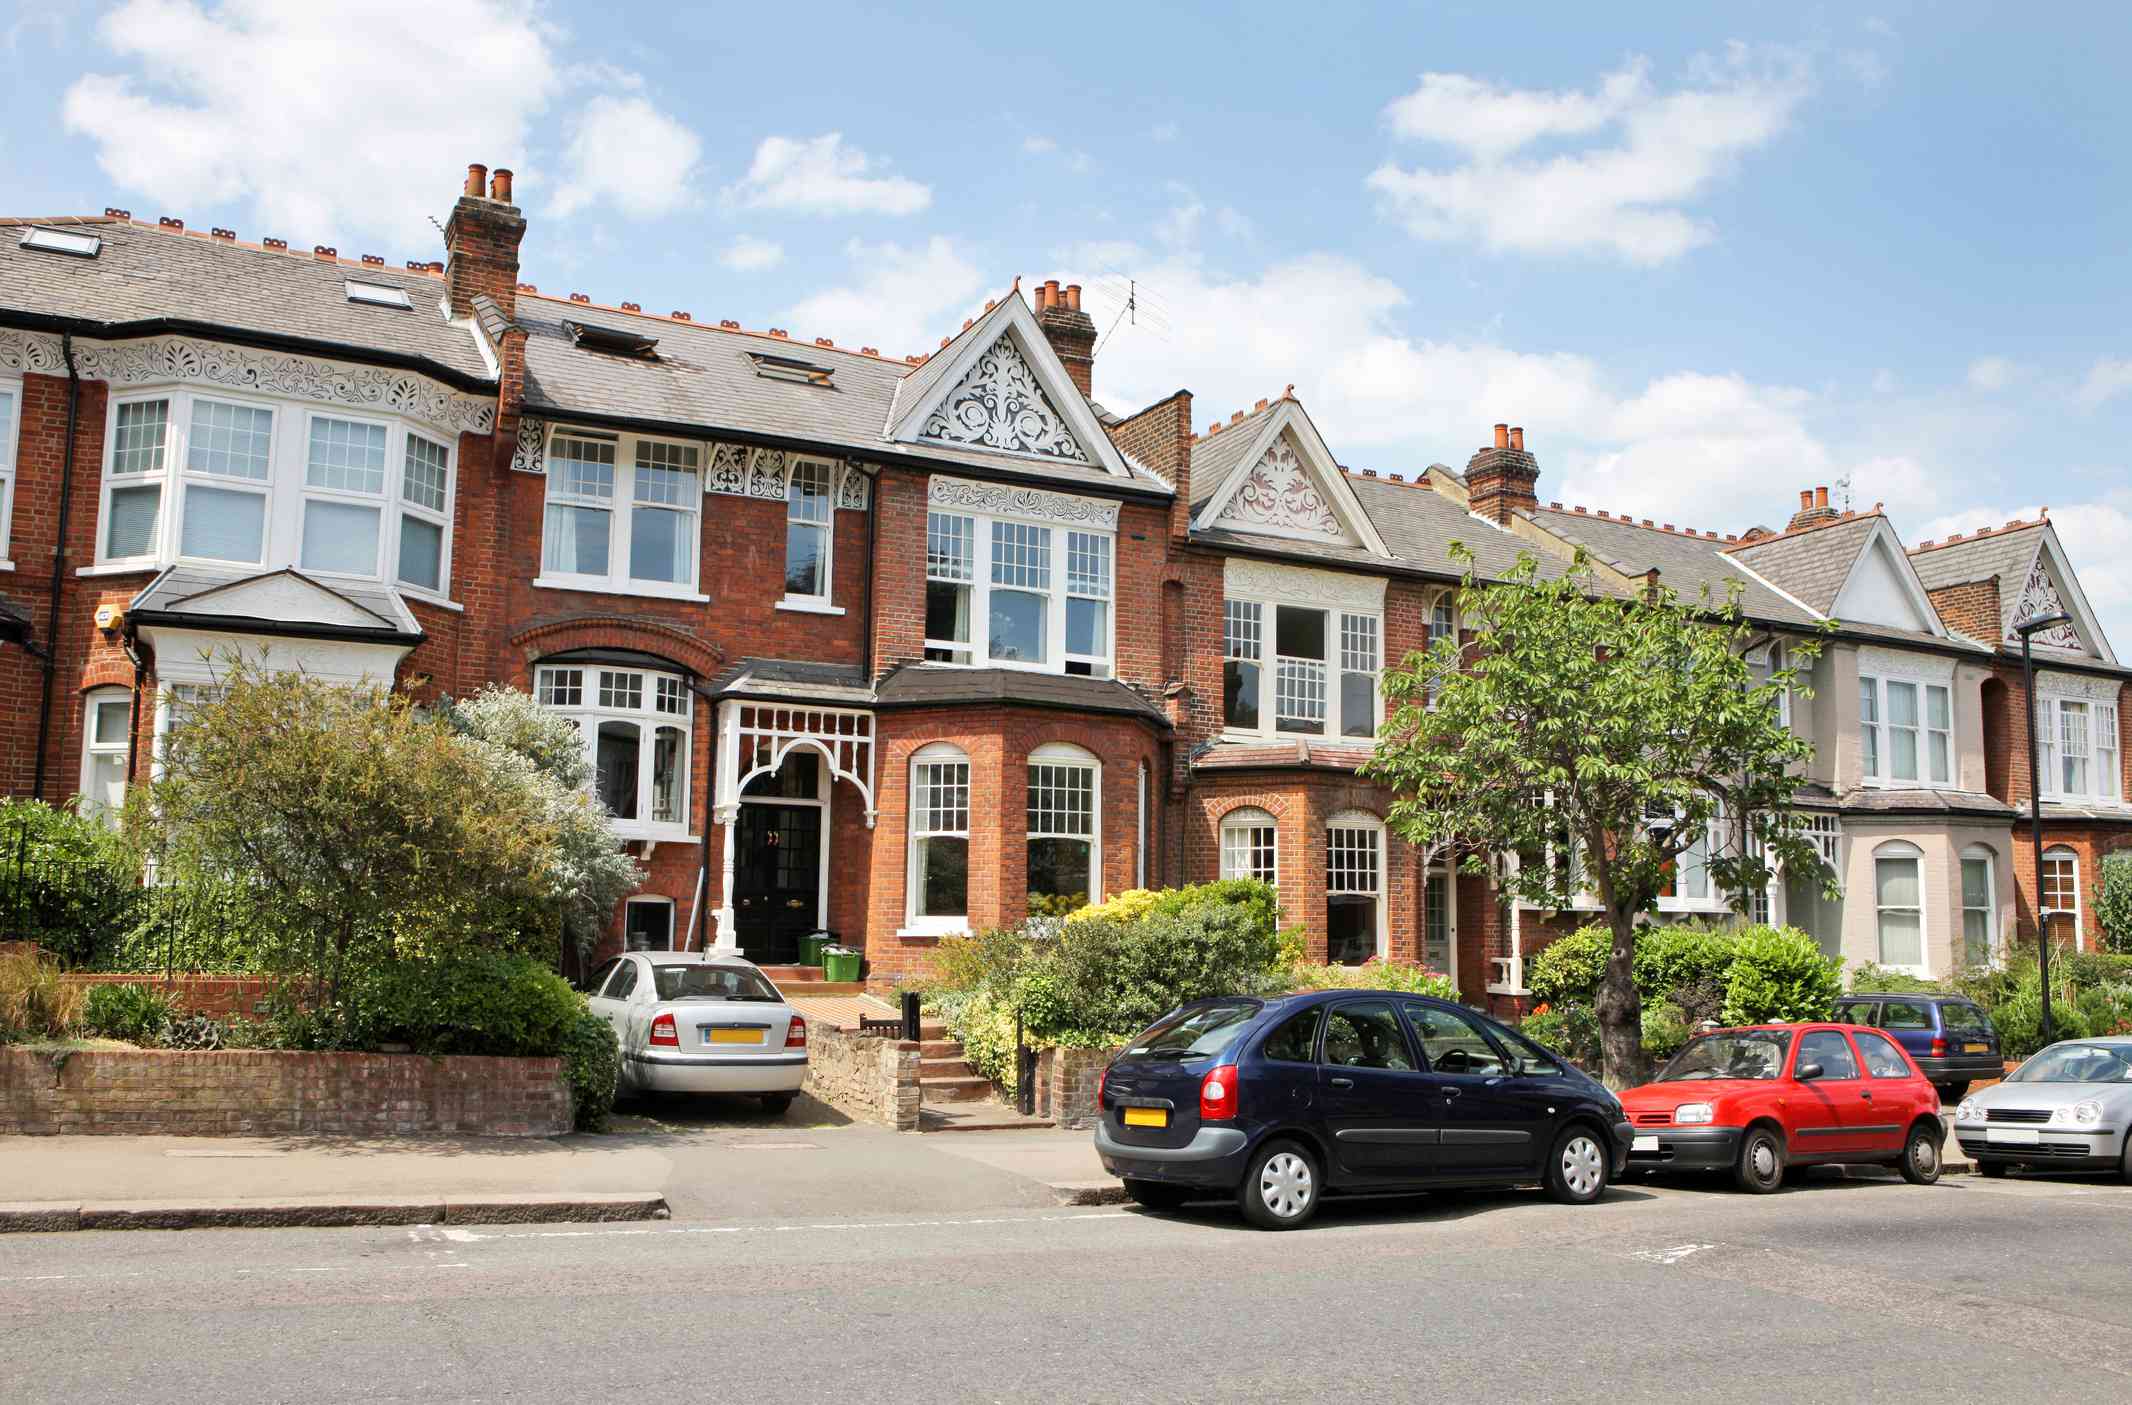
column 268, row 244
column 680, row 318
column 1847, row 518
column 1646, row 525
column 1980, row 534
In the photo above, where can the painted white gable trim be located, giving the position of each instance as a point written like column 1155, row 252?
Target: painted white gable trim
column 1741, row 566
column 2069, row 594
column 1317, row 459
column 1011, row 318
column 1906, row 581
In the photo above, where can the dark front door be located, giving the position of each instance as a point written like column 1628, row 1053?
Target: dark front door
column 777, row 856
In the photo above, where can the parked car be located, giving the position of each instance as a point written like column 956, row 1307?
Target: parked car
column 1759, row 1100
column 689, row 1022
column 2068, row 1108
column 1280, row 1102
column 1948, row 1036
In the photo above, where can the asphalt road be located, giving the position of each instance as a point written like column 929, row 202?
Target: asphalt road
column 1833, row 1290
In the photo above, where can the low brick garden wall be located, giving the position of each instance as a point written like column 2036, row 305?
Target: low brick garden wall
column 1066, row 1085
column 867, row 1077
column 257, row 1092
column 222, row 997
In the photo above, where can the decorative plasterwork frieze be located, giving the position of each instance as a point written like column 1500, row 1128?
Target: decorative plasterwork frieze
column 999, row 404
column 2076, row 685
column 735, row 470
column 766, row 474
column 1281, row 494
column 853, row 487
column 1876, row 662
column 530, row 455
column 2040, row 597
column 1303, row 585
column 1006, row 500
column 190, row 360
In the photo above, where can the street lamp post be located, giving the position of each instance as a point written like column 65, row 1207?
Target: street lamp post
column 2025, row 628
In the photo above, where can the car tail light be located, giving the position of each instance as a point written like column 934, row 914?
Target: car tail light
column 1102, row 1083
column 1217, row 1094
column 1939, row 1048
column 663, row 1032
column 796, row 1034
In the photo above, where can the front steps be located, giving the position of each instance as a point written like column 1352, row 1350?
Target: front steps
column 953, row 1096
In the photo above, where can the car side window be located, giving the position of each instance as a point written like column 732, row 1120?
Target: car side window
column 1366, row 1036
column 598, row 978
column 1856, row 1012
column 1452, row 1043
column 1882, row 1058
column 1960, row 1017
column 1832, row 1051
column 1905, row 1014
column 1536, row 1059
column 622, row 982
column 1294, row 1041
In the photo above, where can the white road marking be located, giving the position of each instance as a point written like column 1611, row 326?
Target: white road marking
column 1669, row 1257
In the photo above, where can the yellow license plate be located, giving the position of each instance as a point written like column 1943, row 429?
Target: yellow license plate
column 719, row 1035
column 1976, row 1048
column 1147, row 1117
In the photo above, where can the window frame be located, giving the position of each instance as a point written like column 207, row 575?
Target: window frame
column 621, row 508
column 1057, row 591
column 1247, row 822
column 93, row 702
column 180, row 472
column 916, row 923
column 588, row 712
column 1979, row 853
column 2054, row 856
column 1361, row 822
column 1902, row 851
column 1332, row 670
column 10, row 463
column 382, row 500
column 649, row 900
column 2105, row 779
column 823, row 601
column 1877, row 733
column 1067, row 756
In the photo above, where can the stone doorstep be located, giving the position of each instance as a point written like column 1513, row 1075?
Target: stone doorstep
column 325, row 1211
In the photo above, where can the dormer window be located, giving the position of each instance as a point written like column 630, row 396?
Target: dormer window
column 614, row 341
column 790, row 368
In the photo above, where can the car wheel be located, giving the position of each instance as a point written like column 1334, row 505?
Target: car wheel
column 1280, row 1191
column 1576, row 1173
column 1953, row 1092
column 777, row 1104
column 1157, row 1196
column 1992, row 1170
column 1760, row 1168
column 1921, row 1154
column 2124, row 1161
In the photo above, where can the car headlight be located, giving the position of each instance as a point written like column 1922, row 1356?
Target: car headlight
column 2082, row 1114
column 1688, row 1114
column 1969, row 1111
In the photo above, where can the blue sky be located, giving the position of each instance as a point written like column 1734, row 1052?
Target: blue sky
column 1706, row 255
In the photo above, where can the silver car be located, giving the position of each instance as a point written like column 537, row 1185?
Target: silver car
column 2069, row 1108
column 691, row 1022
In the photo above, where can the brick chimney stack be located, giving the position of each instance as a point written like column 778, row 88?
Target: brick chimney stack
column 1500, row 477
column 1813, row 507
column 1071, row 332
column 481, row 242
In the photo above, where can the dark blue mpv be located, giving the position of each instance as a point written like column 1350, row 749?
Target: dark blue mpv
column 1282, row 1101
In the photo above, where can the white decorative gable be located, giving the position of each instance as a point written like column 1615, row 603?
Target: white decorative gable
column 999, row 404
column 2040, row 597
column 1280, row 493
column 284, row 597
column 1882, row 588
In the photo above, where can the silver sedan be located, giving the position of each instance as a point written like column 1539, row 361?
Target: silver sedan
column 689, row 1022
column 2069, row 1108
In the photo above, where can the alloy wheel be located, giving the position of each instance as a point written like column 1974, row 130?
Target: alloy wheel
column 1583, row 1168
column 1764, row 1160
column 1285, row 1184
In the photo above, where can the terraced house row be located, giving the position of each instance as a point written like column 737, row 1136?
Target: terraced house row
column 902, row 646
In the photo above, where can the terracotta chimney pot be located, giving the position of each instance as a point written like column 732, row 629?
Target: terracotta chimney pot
column 477, row 180
column 500, row 186
column 1820, row 497
column 1502, row 436
column 1073, row 297
column 1517, row 437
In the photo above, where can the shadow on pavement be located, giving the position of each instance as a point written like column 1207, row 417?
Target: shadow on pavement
column 1434, row 1207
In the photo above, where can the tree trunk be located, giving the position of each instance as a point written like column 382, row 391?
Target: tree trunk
column 1620, row 1008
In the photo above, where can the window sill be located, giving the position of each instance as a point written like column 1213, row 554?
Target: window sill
column 637, row 588
column 931, row 933
column 634, row 833
column 7, row 565
column 802, row 605
column 119, row 568
column 412, row 596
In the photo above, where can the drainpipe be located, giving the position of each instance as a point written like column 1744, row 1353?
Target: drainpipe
column 133, row 734
column 700, row 919
column 59, row 563
column 866, row 642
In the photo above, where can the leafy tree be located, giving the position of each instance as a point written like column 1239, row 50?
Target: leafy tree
column 1581, row 723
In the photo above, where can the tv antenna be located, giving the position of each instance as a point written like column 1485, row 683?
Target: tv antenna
column 1129, row 312
column 1843, row 492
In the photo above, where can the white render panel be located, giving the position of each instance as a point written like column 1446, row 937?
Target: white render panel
column 1271, row 580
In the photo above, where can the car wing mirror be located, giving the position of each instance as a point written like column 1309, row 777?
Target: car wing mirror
column 1807, row 1073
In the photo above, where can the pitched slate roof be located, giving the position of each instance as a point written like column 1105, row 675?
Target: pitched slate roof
column 1215, row 456
column 1925, row 802
column 166, row 597
column 794, row 678
column 1685, row 562
column 2007, row 553
column 1812, row 563
column 149, row 273
column 916, row 685
column 1248, row 756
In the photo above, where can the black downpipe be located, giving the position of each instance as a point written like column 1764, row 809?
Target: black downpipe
column 866, row 639
column 133, row 734
column 701, row 917
column 59, row 563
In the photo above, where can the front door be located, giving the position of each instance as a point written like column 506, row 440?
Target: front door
column 777, row 878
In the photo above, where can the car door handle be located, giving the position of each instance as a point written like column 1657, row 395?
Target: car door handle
column 1342, row 1082
column 1451, row 1092
column 1866, row 1095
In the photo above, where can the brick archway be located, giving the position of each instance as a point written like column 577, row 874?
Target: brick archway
column 612, row 631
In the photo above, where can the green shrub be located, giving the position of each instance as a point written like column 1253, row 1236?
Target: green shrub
column 1570, row 967
column 591, row 1061
column 1112, row 978
column 1373, row 974
column 1665, row 1028
column 74, row 881
column 473, row 1002
column 1870, row 978
column 35, row 1002
column 134, row 1013
column 1569, row 1028
column 1669, row 958
column 1780, row 974
column 2113, row 901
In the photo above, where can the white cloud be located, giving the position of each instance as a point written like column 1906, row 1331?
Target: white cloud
column 1990, row 373
column 1163, row 131
column 2093, row 535
column 748, row 254
column 1180, row 227
column 1626, row 195
column 1039, row 146
column 2108, row 378
column 900, row 298
column 1884, row 381
column 251, row 103
column 627, row 153
column 822, row 176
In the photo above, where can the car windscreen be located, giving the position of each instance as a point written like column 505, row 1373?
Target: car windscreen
column 1756, row 1054
column 1963, row 1018
column 2077, row 1063
column 711, row 983
column 1195, row 1032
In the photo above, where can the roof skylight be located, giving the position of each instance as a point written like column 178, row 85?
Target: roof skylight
column 611, row 340
column 377, row 294
column 789, row 368
column 62, row 241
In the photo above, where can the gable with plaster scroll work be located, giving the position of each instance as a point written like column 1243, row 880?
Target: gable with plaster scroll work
column 999, row 404
column 1281, row 494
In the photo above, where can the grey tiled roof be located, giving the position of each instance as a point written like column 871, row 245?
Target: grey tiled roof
column 1864, row 801
column 2007, row 555
column 796, row 679
column 1226, row 756
column 1685, row 563
column 143, row 274
column 1215, row 455
column 916, row 685
column 702, row 378
column 1811, row 565
column 176, row 585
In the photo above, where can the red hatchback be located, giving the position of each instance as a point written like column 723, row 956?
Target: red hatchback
column 1754, row 1101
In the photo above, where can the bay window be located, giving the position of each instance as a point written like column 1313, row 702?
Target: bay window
column 1898, row 896
column 1324, row 678
column 424, row 476
column 1041, row 601
column 621, row 514
column 635, row 725
column 1062, row 828
column 808, row 513
column 938, row 877
column 1249, row 845
column 228, row 464
column 133, row 488
column 1906, row 731
column 344, row 496
column 2078, row 749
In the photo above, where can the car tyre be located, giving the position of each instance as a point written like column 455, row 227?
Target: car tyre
column 1920, row 1162
column 1953, row 1092
column 1156, row 1195
column 1992, row 1170
column 2124, row 1161
column 1577, row 1171
column 1280, row 1190
column 1760, row 1168
column 777, row 1104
